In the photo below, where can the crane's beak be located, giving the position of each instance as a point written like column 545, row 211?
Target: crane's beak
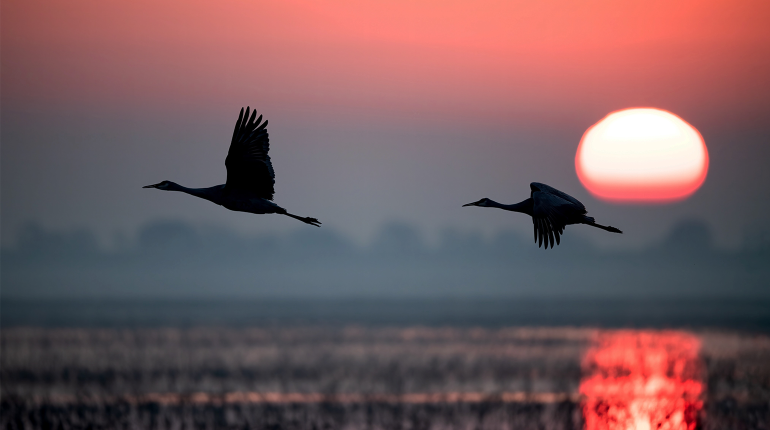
column 151, row 186
column 470, row 204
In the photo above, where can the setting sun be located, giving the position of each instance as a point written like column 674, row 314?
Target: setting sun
column 642, row 155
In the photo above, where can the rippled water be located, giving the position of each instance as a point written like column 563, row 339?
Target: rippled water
column 384, row 377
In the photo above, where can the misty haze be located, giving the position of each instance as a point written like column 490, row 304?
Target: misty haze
column 174, row 259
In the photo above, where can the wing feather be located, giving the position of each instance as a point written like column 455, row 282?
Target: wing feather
column 248, row 164
column 537, row 186
column 550, row 232
column 540, row 231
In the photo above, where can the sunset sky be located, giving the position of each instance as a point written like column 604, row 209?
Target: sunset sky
column 378, row 110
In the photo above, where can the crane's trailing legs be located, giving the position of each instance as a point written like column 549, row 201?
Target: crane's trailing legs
column 306, row 220
column 590, row 221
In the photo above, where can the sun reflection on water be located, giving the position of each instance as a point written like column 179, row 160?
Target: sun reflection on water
column 640, row 380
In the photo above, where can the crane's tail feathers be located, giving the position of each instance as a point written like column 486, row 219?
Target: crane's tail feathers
column 306, row 220
column 605, row 227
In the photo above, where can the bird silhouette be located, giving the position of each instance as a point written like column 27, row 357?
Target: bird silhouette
column 250, row 175
column 551, row 210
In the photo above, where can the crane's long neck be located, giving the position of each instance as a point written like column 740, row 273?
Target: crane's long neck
column 212, row 194
column 524, row 207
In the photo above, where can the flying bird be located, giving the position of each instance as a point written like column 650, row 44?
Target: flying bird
column 551, row 210
column 250, row 174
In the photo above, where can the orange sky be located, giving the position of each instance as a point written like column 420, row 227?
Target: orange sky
column 428, row 58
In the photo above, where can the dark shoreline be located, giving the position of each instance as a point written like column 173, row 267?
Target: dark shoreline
column 752, row 315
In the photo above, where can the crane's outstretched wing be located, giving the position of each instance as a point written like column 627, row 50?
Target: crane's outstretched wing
column 552, row 210
column 248, row 165
column 537, row 186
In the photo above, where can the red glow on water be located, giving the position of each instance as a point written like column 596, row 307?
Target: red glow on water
column 642, row 380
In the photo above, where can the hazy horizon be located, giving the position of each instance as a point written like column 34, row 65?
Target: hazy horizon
column 176, row 259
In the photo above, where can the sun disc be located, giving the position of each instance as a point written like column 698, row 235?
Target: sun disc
column 642, row 155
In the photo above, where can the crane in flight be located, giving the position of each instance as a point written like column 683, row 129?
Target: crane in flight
column 250, row 175
column 551, row 210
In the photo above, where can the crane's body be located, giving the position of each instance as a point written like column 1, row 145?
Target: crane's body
column 250, row 174
column 551, row 211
